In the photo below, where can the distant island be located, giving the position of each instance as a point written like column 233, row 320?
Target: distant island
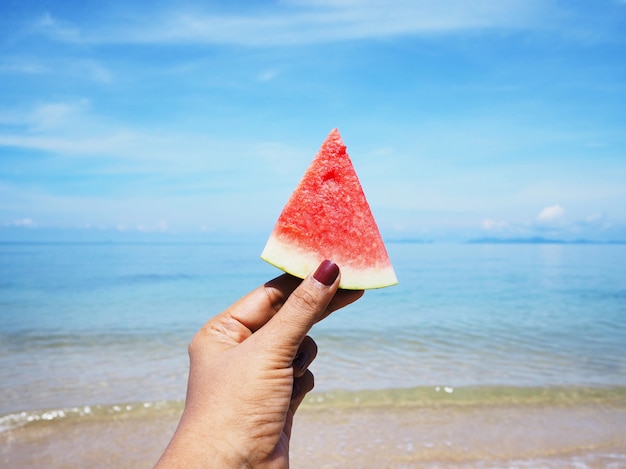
column 539, row 240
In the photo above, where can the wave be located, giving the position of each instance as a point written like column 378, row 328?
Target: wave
column 16, row 420
column 442, row 395
column 416, row 397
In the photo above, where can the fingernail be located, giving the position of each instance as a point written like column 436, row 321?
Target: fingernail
column 327, row 273
column 300, row 361
column 296, row 388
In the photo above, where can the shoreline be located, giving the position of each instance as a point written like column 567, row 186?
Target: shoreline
column 582, row 428
column 435, row 397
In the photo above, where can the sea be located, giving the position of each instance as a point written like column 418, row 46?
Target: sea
column 102, row 328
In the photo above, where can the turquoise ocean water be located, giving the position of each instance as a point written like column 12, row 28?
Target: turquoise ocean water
column 104, row 327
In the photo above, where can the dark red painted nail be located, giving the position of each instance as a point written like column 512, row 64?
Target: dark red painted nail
column 327, row 273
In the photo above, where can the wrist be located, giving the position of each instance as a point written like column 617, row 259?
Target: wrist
column 188, row 449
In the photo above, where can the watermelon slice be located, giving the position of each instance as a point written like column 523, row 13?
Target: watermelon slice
column 328, row 217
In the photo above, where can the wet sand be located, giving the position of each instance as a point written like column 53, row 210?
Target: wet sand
column 519, row 436
column 487, row 436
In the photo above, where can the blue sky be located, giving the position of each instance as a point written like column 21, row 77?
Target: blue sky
column 464, row 119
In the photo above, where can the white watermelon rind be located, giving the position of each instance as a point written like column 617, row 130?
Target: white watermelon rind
column 300, row 263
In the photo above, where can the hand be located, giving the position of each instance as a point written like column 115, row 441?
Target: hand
column 249, row 373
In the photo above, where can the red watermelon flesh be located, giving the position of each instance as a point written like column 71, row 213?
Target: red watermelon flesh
column 328, row 217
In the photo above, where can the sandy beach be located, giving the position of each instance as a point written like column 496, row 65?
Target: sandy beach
column 487, row 436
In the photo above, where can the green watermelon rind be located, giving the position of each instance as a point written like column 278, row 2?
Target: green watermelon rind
column 301, row 262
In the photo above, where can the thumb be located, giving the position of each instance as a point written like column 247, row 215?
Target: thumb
column 304, row 307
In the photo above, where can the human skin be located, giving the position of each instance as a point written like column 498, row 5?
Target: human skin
column 249, row 373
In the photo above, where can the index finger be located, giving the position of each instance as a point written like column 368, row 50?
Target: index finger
column 256, row 308
column 259, row 306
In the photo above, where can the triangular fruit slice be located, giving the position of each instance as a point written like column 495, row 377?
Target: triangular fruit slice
column 328, row 217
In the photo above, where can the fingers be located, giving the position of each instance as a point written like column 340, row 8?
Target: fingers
column 246, row 315
column 254, row 310
column 259, row 306
column 304, row 307
column 305, row 356
column 301, row 386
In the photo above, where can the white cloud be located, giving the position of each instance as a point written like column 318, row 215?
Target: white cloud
column 22, row 66
column 70, row 129
column 346, row 21
column 50, row 26
column 160, row 227
column 57, row 115
column 595, row 218
column 306, row 22
column 551, row 213
column 490, row 225
column 23, row 223
column 84, row 69
column 97, row 72
column 139, row 175
column 267, row 75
